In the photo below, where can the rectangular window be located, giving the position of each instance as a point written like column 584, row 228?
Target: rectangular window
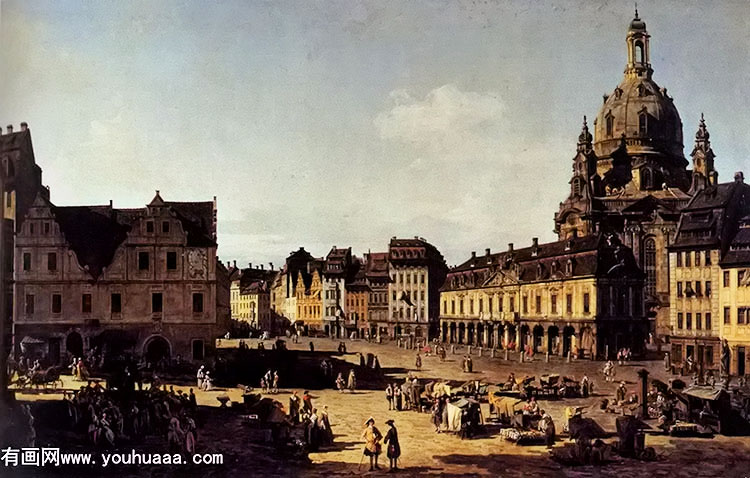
column 453, row 307
column 679, row 289
column 489, row 304
column 149, row 226
column 697, row 258
column 157, row 302
column 143, row 261
column 553, row 303
column 526, row 304
column 198, row 303
column 538, row 304
column 481, row 306
column 698, row 289
column 165, row 227
column 56, row 303
column 689, row 321
column 29, row 304
column 46, row 228
column 31, row 225
column 569, row 303
column 86, row 303
column 171, row 260
column 461, row 306
column 727, row 315
column 707, row 258
column 726, row 278
column 679, row 320
column 679, row 259
column 116, row 304
column 586, row 302
column 52, row 261
column 687, row 259
column 708, row 288
column 698, row 323
column 742, row 317
column 512, row 304
column 708, row 321
column 27, row 261
column 422, row 277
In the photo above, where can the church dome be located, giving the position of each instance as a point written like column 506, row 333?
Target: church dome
column 638, row 110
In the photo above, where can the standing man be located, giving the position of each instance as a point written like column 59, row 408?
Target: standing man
column 418, row 362
column 394, row 447
column 372, row 437
column 389, row 396
column 351, row 384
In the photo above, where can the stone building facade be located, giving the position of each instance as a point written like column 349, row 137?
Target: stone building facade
column 143, row 281
column 377, row 276
column 310, row 299
column 708, row 260
column 631, row 177
column 417, row 271
column 578, row 294
column 337, row 272
column 251, row 296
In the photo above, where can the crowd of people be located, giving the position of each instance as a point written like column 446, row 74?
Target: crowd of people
column 109, row 417
column 316, row 422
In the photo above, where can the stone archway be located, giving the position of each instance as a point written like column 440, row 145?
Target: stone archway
column 444, row 332
column 524, row 337
column 553, row 340
column 156, row 348
column 470, row 334
column 461, row 332
column 490, row 335
column 538, row 338
column 480, row 335
column 452, row 333
column 74, row 344
column 567, row 340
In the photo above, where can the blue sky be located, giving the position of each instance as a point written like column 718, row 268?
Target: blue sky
column 345, row 123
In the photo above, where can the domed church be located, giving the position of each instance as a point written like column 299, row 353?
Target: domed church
column 631, row 177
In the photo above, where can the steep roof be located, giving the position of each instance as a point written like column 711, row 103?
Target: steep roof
column 93, row 233
column 197, row 221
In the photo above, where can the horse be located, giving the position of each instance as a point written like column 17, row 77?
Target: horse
column 44, row 377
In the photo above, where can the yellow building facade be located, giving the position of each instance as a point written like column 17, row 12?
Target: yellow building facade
column 309, row 302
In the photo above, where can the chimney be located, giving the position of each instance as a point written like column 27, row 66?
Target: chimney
column 510, row 247
column 228, row 264
column 24, row 126
column 261, row 267
column 487, row 252
column 10, row 128
column 235, row 264
column 473, row 254
column 739, row 177
column 534, row 246
column 250, row 265
column 110, row 204
column 270, row 264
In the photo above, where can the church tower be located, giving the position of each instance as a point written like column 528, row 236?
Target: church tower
column 704, row 174
column 631, row 178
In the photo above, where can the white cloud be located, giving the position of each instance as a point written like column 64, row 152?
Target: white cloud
column 446, row 115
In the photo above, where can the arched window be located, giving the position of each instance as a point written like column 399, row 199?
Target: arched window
column 643, row 124
column 648, row 178
column 649, row 265
column 610, row 124
column 638, row 52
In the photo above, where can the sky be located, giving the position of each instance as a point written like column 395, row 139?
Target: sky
column 322, row 123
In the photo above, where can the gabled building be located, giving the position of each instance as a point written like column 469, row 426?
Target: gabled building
column 309, row 292
column 336, row 271
column 377, row 278
column 251, row 296
column 143, row 281
column 579, row 294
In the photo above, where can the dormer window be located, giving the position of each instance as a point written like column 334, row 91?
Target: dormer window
column 577, row 186
column 569, row 267
column 610, row 123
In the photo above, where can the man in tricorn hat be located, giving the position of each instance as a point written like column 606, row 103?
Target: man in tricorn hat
column 394, row 448
column 372, row 438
